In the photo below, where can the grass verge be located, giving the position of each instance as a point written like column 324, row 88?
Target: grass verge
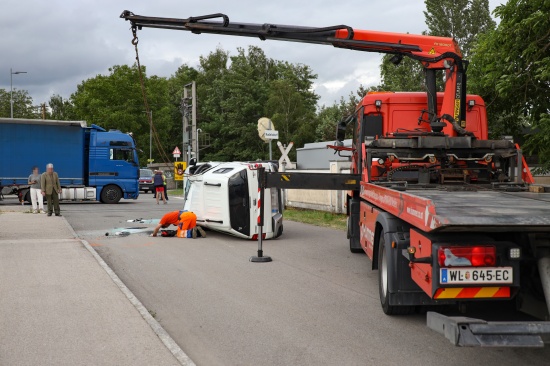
column 175, row 192
column 317, row 218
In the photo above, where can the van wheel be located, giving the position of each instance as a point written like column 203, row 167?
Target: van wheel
column 111, row 194
column 280, row 231
column 28, row 197
column 383, row 279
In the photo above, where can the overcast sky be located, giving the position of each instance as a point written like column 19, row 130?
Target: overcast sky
column 60, row 43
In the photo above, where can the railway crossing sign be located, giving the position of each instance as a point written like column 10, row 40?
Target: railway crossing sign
column 284, row 160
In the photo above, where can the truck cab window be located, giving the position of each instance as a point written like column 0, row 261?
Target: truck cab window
column 121, row 154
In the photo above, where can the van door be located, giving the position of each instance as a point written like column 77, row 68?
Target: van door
column 239, row 205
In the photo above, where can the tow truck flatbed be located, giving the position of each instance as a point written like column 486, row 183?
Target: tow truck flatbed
column 446, row 210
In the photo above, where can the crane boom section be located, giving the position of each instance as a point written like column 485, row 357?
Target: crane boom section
column 435, row 53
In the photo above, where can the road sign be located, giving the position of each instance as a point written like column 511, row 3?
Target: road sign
column 176, row 151
column 264, row 124
column 179, row 168
column 271, row 134
column 284, row 161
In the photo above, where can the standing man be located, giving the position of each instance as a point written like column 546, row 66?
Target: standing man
column 36, row 196
column 51, row 188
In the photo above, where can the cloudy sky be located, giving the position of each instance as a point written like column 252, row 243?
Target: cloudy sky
column 60, row 43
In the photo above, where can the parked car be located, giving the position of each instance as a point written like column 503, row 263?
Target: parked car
column 146, row 180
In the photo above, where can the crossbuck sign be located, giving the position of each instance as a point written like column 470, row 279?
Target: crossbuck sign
column 285, row 160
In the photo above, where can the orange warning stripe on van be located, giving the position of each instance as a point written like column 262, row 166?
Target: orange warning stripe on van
column 472, row 293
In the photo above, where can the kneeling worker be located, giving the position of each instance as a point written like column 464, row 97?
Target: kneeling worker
column 184, row 220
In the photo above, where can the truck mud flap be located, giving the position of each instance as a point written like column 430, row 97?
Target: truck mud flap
column 470, row 332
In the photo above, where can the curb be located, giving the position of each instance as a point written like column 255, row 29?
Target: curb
column 166, row 339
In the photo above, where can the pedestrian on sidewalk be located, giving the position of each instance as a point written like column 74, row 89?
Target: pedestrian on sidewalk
column 36, row 192
column 51, row 188
column 159, row 186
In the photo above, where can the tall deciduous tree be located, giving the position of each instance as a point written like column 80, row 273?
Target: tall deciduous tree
column 463, row 20
column 22, row 104
column 115, row 101
column 235, row 91
column 61, row 109
column 511, row 70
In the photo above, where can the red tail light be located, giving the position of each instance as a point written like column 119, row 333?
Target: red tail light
column 473, row 256
column 255, row 236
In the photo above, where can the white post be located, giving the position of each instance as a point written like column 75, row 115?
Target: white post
column 270, row 151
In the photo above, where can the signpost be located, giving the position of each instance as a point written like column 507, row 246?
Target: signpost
column 176, row 153
column 267, row 132
column 178, row 167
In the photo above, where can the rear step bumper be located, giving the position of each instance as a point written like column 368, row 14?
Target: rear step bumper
column 470, row 332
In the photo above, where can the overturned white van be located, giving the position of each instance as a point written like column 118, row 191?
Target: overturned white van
column 224, row 196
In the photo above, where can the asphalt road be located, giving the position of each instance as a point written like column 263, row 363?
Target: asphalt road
column 315, row 304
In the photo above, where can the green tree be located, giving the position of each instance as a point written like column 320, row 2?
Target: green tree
column 463, row 20
column 22, row 104
column 115, row 101
column 328, row 117
column 61, row 109
column 292, row 104
column 511, row 71
column 406, row 76
column 235, row 91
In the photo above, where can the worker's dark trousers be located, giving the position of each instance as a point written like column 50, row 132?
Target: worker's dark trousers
column 53, row 203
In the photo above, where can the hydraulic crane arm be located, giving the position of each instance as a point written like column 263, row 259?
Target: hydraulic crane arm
column 435, row 53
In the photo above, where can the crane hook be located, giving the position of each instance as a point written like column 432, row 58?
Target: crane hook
column 135, row 40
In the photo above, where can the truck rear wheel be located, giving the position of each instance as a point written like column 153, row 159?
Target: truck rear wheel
column 383, row 280
column 111, row 194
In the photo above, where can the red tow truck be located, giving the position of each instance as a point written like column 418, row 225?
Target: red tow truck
column 446, row 215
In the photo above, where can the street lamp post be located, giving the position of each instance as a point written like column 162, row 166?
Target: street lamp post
column 11, row 88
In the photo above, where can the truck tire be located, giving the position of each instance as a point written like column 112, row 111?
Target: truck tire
column 111, row 194
column 383, row 279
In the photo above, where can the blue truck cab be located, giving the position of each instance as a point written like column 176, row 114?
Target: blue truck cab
column 113, row 164
column 92, row 163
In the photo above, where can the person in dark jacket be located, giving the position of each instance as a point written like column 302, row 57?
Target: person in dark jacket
column 158, row 182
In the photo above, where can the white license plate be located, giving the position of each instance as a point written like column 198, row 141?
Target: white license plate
column 473, row 275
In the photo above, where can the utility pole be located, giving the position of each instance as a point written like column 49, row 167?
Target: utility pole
column 150, row 119
column 189, row 111
column 11, row 88
column 43, row 110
